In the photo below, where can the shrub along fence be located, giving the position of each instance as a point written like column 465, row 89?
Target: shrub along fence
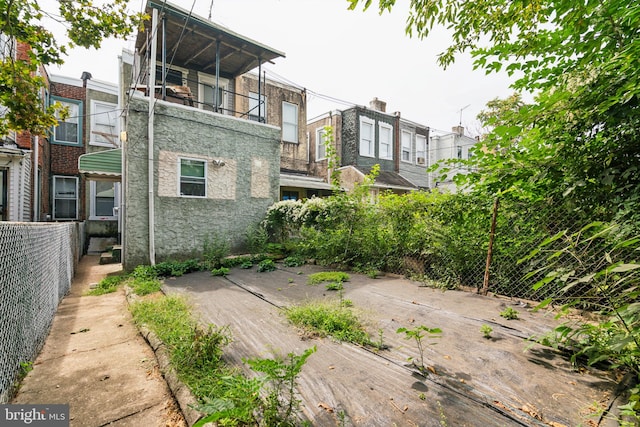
column 444, row 240
column 37, row 264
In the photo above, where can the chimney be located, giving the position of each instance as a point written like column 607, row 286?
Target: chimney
column 378, row 105
column 84, row 77
column 458, row 130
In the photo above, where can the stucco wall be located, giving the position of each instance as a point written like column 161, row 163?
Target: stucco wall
column 238, row 192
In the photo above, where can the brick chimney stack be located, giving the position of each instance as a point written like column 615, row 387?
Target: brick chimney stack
column 378, row 105
column 458, row 130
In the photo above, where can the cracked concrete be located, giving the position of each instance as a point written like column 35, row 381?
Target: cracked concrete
column 95, row 360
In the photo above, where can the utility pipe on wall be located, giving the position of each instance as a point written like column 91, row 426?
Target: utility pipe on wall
column 152, row 99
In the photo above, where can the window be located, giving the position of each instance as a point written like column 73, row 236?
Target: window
column 193, row 178
column 104, row 198
column 104, row 124
column 254, row 107
column 421, row 150
column 406, row 146
column 65, row 197
column 290, row 195
column 208, row 95
column 321, row 148
column 385, row 141
column 289, row 122
column 173, row 77
column 459, row 153
column 366, row 137
column 68, row 130
column 7, row 46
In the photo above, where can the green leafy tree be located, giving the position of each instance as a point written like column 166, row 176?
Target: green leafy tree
column 577, row 142
column 25, row 21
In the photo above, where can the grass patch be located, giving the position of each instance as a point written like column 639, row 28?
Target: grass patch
column 107, row 285
column 329, row 318
column 327, row 276
column 145, row 286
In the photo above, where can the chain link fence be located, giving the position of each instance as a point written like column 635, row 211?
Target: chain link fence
column 37, row 264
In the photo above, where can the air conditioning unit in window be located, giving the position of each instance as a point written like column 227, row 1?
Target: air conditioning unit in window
column 420, row 160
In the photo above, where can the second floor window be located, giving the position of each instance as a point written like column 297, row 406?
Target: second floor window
column 421, row 150
column 104, row 124
column 321, row 148
column 257, row 111
column 385, row 141
column 69, row 130
column 289, row 122
column 406, row 146
column 367, row 136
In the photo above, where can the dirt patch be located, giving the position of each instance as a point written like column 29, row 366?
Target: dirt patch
column 472, row 381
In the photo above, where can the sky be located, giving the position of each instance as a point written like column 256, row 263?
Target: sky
column 333, row 52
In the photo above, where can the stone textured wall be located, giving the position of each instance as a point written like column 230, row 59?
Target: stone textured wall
column 238, row 193
column 351, row 138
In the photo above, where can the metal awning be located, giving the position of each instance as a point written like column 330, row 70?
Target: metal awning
column 298, row 181
column 191, row 43
column 102, row 164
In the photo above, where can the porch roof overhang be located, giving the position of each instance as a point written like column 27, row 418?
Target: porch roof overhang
column 298, row 181
column 105, row 164
column 191, row 43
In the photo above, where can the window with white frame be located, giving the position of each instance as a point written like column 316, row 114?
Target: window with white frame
column 208, row 95
column 65, row 197
column 289, row 122
column 421, row 150
column 7, row 46
column 104, row 199
column 69, row 128
column 193, row 177
column 367, row 136
column 405, row 136
column 385, row 140
column 257, row 111
column 321, row 141
column 104, row 124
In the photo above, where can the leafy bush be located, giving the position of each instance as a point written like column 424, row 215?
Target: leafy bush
column 222, row 271
column 293, row 261
column 266, row 265
column 215, row 249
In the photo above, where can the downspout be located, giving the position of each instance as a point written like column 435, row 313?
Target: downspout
column 36, row 195
column 217, row 88
column 164, row 59
column 152, row 98
column 123, row 140
column 260, row 91
column 396, row 148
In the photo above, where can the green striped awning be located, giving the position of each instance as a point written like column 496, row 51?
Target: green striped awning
column 107, row 163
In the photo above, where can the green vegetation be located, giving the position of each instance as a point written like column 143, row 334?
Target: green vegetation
column 418, row 334
column 327, row 276
column 334, row 286
column 85, row 24
column 293, row 261
column 226, row 396
column 329, row 318
column 222, row 271
column 107, row 285
column 509, row 313
column 486, row 331
column 266, row 265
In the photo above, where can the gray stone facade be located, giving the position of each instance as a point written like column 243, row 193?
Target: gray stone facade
column 242, row 171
